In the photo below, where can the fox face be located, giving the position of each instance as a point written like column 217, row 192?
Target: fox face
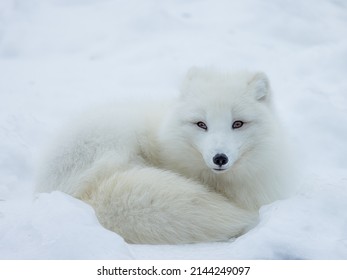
column 218, row 139
column 222, row 119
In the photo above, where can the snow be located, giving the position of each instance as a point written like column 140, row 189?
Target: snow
column 59, row 57
column 43, row 231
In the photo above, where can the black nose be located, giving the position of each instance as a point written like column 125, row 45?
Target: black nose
column 220, row 159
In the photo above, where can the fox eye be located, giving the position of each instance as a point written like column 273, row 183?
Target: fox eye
column 237, row 124
column 202, row 125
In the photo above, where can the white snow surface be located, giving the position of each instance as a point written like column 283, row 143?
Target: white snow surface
column 60, row 57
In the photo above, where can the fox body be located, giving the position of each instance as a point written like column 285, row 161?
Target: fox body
column 195, row 170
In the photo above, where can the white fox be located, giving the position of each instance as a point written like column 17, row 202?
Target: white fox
column 197, row 170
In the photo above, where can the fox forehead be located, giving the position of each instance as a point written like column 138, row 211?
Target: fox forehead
column 216, row 93
column 214, row 110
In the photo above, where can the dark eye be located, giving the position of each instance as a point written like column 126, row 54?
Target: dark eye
column 202, row 125
column 237, row 124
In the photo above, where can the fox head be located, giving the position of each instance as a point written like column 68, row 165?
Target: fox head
column 220, row 119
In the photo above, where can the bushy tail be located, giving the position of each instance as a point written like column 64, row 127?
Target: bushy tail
column 152, row 206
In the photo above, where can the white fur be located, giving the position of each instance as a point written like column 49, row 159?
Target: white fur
column 148, row 171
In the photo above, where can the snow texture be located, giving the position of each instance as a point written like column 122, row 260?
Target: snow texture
column 60, row 57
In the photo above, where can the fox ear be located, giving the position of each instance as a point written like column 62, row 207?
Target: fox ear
column 259, row 86
column 191, row 79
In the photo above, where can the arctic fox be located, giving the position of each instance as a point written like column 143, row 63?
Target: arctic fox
column 197, row 170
